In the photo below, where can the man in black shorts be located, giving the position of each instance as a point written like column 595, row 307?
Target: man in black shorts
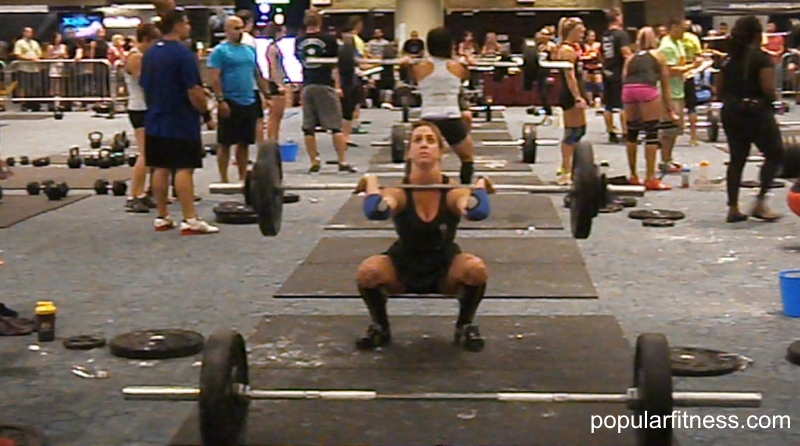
column 616, row 48
column 176, row 103
column 234, row 75
column 321, row 92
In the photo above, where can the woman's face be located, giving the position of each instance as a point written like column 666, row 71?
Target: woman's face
column 590, row 36
column 577, row 33
column 57, row 39
column 468, row 36
column 424, row 148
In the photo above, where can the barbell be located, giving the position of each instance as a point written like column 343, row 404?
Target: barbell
column 263, row 189
column 224, row 394
column 398, row 140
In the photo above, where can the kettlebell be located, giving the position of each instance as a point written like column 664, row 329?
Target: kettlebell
column 75, row 161
column 95, row 140
column 104, row 160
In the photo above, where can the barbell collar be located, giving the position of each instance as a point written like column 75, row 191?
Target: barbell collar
column 234, row 189
column 680, row 399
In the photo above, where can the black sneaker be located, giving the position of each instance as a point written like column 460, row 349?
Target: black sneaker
column 469, row 337
column 137, row 206
column 377, row 336
column 346, row 168
column 315, row 168
column 149, row 202
column 613, row 138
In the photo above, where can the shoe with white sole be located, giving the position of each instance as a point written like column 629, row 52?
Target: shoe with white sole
column 197, row 227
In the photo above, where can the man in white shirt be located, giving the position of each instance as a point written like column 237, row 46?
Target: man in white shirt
column 30, row 78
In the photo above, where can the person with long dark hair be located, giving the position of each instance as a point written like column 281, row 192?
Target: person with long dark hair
column 746, row 86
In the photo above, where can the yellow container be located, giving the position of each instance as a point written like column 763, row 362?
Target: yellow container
column 45, row 307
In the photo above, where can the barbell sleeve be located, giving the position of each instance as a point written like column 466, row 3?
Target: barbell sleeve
column 234, row 189
column 681, row 399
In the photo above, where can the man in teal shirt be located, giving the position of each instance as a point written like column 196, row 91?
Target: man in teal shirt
column 234, row 75
column 674, row 51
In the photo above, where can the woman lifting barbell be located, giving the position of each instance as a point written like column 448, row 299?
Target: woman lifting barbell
column 644, row 104
column 425, row 259
column 439, row 82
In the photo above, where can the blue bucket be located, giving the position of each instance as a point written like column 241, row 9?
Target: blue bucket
column 790, row 292
column 289, row 151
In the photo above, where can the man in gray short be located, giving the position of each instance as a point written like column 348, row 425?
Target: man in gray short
column 321, row 92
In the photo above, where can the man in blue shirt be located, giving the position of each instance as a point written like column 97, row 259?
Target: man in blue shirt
column 234, row 76
column 176, row 103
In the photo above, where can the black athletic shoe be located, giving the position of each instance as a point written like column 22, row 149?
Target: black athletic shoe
column 469, row 337
column 613, row 138
column 137, row 206
column 377, row 336
column 148, row 201
column 346, row 168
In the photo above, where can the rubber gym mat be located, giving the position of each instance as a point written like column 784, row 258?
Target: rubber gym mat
column 509, row 211
column 18, row 208
column 533, row 353
column 519, row 268
column 499, row 135
column 25, row 117
column 487, row 159
column 83, row 178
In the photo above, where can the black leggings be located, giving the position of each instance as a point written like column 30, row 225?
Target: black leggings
column 743, row 130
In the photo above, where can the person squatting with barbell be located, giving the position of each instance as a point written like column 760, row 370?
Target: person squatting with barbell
column 425, row 259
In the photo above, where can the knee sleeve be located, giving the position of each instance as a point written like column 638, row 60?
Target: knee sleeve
column 573, row 135
column 633, row 131
column 651, row 133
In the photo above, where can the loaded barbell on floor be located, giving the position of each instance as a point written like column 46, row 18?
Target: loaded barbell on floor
column 264, row 189
column 529, row 143
column 224, row 394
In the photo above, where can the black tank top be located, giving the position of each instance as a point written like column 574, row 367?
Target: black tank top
column 416, row 236
column 643, row 69
column 566, row 93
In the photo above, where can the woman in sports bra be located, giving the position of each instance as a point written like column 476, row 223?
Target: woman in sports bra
column 425, row 259
column 644, row 104
column 593, row 76
column 278, row 88
column 439, row 80
column 572, row 95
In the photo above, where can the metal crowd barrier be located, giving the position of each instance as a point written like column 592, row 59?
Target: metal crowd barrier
column 62, row 82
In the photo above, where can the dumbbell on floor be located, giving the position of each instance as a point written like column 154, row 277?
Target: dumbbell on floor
column 51, row 189
column 25, row 161
column 118, row 188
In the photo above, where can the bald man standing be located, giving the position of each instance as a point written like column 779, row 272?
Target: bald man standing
column 234, row 78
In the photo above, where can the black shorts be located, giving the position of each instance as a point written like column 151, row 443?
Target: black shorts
column 351, row 97
column 690, row 95
column 454, row 130
column 240, row 126
column 612, row 94
column 273, row 89
column 566, row 100
column 422, row 273
column 136, row 117
column 173, row 153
